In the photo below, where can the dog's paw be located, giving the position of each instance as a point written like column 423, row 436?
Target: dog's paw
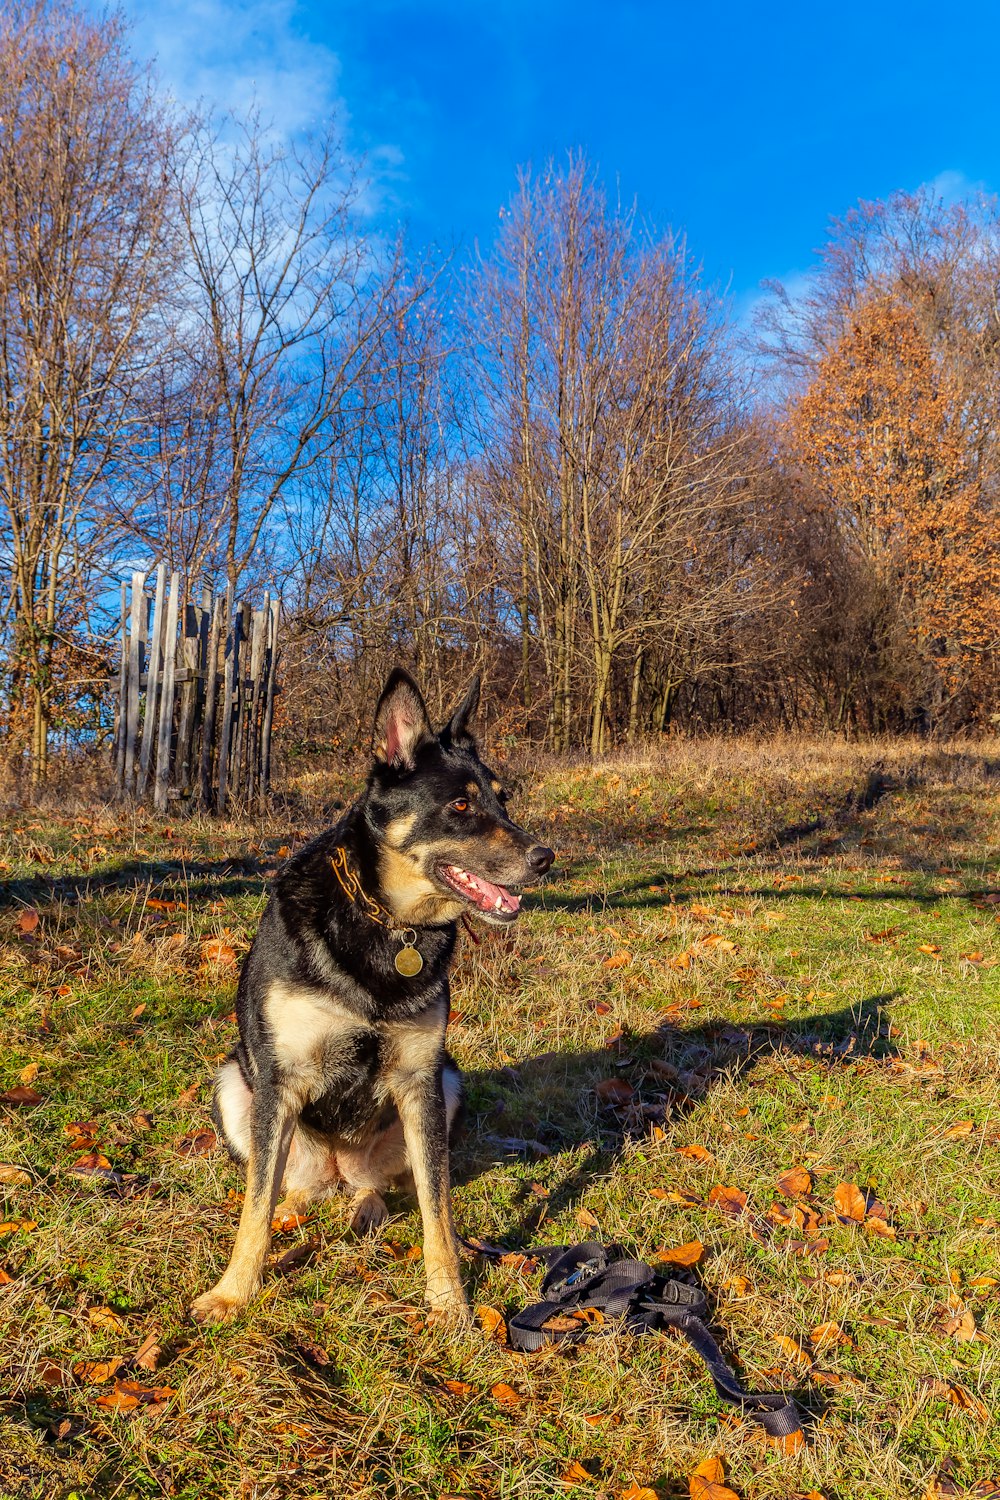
column 369, row 1213
column 216, row 1306
column 455, row 1316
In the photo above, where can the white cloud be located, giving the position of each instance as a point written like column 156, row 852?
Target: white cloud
column 235, row 53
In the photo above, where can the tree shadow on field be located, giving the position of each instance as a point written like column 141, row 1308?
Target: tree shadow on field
column 234, row 877
column 550, row 1105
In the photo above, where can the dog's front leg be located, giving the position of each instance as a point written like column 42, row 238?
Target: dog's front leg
column 420, row 1100
column 272, row 1123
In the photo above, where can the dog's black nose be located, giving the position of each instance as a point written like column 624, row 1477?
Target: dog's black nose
column 539, row 859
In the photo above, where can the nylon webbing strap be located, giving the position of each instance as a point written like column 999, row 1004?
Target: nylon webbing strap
column 642, row 1301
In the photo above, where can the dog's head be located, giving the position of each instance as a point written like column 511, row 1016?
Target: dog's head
column 446, row 844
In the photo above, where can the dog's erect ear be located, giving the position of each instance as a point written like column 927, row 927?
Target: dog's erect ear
column 401, row 722
column 456, row 731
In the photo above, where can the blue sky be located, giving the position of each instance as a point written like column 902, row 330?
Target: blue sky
column 746, row 126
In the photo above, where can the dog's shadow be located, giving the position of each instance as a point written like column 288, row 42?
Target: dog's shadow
column 576, row 1110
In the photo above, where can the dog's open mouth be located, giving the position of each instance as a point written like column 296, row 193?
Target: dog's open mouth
column 494, row 901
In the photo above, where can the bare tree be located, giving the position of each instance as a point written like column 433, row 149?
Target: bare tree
column 286, row 300
column 85, row 230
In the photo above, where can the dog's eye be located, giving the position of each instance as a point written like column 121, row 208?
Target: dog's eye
column 460, row 805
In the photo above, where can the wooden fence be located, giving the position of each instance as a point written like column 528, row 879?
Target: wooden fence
column 196, row 689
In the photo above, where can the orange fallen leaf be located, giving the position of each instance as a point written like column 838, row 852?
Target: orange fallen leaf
column 458, row 1387
column 825, row 1334
column 680, row 961
column 731, row 1200
column 618, row 960
column 586, row 1219
column 634, row 1492
column 959, row 1129
column 795, row 1182
column 492, row 1323
column 688, row 1254
column 505, row 1395
column 28, row 920
column 217, row 951
column 11, row 1226
column 198, row 1143
column 849, row 1201
column 933, row 948
column 575, row 1474
column 793, row 1351
column 97, row 1372
column 695, row 1153
column 706, row 1482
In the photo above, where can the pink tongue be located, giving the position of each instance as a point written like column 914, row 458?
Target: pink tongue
column 482, row 893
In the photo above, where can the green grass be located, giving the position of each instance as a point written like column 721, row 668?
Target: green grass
column 803, row 972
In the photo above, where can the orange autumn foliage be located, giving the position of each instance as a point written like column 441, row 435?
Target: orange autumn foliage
column 879, row 433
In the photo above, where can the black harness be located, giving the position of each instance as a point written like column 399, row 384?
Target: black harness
column 631, row 1295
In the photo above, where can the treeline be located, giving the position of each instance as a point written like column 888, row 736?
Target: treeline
column 556, row 460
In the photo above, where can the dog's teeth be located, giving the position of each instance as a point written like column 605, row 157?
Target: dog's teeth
column 498, row 904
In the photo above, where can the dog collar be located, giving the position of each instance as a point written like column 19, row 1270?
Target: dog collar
column 409, row 960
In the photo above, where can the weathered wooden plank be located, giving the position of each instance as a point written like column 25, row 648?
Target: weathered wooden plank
column 229, row 680
column 120, row 714
column 187, row 699
column 134, row 670
column 255, row 700
column 211, row 699
column 162, row 785
column 238, row 769
column 152, row 678
column 271, row 670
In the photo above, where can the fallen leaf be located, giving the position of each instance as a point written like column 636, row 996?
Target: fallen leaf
column 962, row 1327
column 730, row 1200
column 850, row 1202
column 575, row 1474
column 688, row 1254
column 492, row 1323
column 635, row 1493
column 957, row 1395
column 215, row 951
column 614, row 1091
column 795, row 1182
column 793, row 1351
column 505, row 1395
column 20, row 1096
column 143, row 1120
column 198, row 1143
column 104, row 1317
column 959, row 1129
column 825, row 1334
column 458, row 1387
column 97, row 1371
column 27, row 921
column 148, row 1354
column 288, row 1223
column 14, row 1176
column 680, row 961
column 706, row 1482
column 190, row 1094
column 11, row 1226
column 586, row 1219
column 695, row 1153
column 128, row 1394
column 932, row 948
column 29, row 1074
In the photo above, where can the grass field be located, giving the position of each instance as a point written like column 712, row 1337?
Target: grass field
column 749, row 961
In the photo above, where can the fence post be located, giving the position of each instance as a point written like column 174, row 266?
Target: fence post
column 134, row 672
column 232, row 654
column 152, row 679
column 122, row 685
column 167, row 709
column 272, row 671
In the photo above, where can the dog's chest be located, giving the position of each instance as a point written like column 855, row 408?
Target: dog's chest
column 328, row 1055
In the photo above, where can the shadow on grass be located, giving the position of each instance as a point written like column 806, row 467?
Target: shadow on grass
column 547, row 1105
column 195, row 880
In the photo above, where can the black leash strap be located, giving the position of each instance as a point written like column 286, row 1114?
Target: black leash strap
column 642, row 1301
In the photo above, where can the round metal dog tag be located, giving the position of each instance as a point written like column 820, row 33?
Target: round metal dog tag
column 409, row 961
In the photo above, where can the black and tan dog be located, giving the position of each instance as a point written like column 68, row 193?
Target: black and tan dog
column 340, row 1076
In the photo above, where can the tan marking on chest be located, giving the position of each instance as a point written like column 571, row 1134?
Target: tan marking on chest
column 302, row 1023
